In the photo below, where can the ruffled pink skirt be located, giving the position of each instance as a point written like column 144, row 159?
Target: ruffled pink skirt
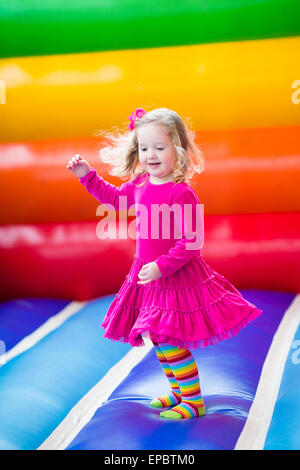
column 193, row 308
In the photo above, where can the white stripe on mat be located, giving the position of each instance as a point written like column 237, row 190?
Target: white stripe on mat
column 50, row 325
column 256, row 427
column 84, row 410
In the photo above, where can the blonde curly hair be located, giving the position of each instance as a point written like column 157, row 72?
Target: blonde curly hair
column 123, row 154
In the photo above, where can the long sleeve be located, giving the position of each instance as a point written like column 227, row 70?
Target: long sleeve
column 190, row 222
column 106, row 192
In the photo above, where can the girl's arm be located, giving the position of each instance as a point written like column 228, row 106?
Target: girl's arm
column 106, row 192
column 192, row 229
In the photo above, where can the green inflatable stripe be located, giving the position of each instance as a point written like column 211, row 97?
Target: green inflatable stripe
column 43, row 27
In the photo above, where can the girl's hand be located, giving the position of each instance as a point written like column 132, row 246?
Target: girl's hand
column 78, row 166
column 148, row 273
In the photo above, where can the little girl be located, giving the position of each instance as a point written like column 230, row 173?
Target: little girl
column 170, row 292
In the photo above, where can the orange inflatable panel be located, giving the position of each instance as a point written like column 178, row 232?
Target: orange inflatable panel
column 247, row 171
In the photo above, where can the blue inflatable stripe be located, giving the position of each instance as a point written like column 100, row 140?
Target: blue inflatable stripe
column 229, row 374
column 40, row 387
column 284, row 430
column 20, row 317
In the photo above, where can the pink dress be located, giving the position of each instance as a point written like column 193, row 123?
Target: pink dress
column 191, row 305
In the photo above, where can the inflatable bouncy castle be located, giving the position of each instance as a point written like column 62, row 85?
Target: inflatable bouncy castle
column 71, row 70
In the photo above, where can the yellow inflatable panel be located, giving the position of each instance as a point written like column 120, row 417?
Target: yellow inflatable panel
column 220, row 86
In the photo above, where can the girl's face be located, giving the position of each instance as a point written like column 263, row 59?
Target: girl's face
column 156, row 152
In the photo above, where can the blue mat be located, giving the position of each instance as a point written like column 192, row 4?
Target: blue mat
column 229, row 374
column 20, row 317
column 284, row 430
column 40, row 386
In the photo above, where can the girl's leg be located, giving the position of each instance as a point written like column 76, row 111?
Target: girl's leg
column 175, row 396
column 184, row 368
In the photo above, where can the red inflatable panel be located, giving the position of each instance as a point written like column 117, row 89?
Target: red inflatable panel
column 64, row 261
column 68, row 261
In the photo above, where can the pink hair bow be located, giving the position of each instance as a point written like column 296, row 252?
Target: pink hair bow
column 137, row 114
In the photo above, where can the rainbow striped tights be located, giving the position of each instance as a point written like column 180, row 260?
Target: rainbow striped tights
column 181, row 371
